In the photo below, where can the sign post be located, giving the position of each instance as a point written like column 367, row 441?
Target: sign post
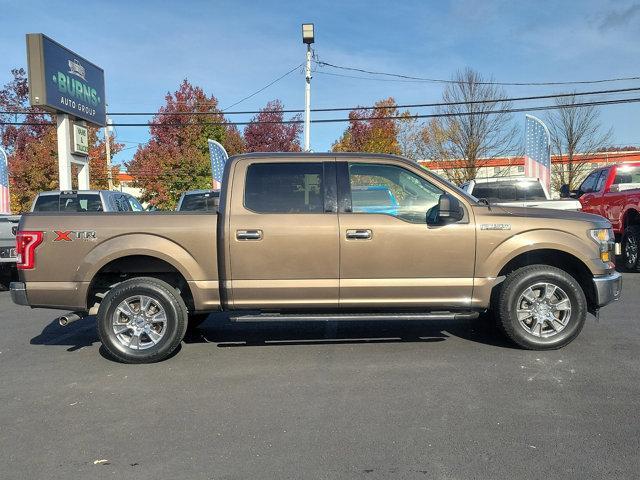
column 71, row 87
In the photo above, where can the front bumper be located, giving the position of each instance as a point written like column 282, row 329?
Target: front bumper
column 608, row 288
column 18, row 293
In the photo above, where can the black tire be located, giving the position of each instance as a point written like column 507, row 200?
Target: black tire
column 516, row 284
column 631, row 248
column 195, row 319
column 175, row 312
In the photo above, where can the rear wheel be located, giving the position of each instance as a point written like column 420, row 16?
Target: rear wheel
column 142, row 320
column 631, row 247
column 541, row 307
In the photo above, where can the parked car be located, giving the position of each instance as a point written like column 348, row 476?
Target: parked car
column 8, row 228
column 86, row 201
column 614, row 192
column 373, row 199
column 517, row 192
column 286, row 245
column 199, row 201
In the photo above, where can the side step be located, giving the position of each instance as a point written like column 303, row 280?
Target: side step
column 353, row 317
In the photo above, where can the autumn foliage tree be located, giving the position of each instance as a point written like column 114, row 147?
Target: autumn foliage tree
column 176, row 158
column 369, row 131
column 267, row 133
column 32, row 146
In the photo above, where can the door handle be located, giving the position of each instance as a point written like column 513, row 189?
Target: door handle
column 360, row 234
column 249, row 234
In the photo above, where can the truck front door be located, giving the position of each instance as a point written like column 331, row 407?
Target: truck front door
column 389, row 256
column 282, row 235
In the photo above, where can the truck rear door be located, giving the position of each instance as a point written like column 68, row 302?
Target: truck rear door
column 282, row 234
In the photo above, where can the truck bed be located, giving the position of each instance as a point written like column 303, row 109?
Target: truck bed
column 76, row 246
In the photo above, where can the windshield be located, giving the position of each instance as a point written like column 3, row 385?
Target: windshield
column 200, row 202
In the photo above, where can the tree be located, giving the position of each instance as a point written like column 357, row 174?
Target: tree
column 267, row 133
column 469, row 132
column 369, row 131
column 176, row 158
column 32, row 146
column 574, row 130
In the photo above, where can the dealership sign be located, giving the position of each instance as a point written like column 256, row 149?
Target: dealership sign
column 61, row 81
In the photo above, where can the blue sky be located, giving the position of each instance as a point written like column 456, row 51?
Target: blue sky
column 233, row 48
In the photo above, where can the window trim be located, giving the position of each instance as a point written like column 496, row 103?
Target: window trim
column 326, row 177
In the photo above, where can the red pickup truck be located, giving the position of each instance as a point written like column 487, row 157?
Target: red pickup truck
column 614, row 192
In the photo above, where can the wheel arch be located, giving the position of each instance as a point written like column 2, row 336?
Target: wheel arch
column 559, row 259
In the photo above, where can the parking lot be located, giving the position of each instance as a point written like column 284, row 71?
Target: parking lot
column 310, row 400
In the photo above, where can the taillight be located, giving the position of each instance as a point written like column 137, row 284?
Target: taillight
column 26, row 243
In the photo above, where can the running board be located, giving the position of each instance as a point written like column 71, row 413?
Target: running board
column 354, row 317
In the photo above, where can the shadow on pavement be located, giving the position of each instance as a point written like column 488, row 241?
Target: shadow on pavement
column 219, row 330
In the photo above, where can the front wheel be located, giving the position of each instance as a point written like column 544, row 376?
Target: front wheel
column 541, row 307
column 631, row 248
column 142, row 320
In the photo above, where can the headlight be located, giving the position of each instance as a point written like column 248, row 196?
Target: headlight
column 605, row 239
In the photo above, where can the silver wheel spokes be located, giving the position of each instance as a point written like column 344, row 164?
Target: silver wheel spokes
column 544, row 309
column 631, row 250
column 139, row 322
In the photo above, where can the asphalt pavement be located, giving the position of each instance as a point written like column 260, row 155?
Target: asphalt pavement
column 423, row 400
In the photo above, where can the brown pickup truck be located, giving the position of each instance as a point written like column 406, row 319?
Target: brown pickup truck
column 319, row 237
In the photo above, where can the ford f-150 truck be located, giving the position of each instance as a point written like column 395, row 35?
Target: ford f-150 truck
column 614, row 192
column 287, row 244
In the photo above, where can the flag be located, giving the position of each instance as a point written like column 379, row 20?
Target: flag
column 5, row 200
column 537, row 150
column 218, row 159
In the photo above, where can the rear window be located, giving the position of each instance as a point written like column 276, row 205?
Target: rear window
column 627, row 178
column 84, row 202
column 509, row 191
column 200, row 202
column 284, row 188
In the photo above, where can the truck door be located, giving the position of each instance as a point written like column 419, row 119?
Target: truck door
column 389, row 256
column 282, row 234
column 586, row 192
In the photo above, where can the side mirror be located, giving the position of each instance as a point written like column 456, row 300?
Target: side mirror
column 449, row 210
column 565, row 191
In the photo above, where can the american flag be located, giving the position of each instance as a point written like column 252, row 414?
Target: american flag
column 5, row 201
column 537, row 150
column 218, row 159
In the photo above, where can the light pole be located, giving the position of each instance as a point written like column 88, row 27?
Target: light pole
column 308, row 39
column 107, row 147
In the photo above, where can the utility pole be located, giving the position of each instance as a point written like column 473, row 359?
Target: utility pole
column 308, row 39
column 107, row 147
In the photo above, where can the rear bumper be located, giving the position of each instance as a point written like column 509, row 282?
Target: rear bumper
column 19, row 293
column 608, row 288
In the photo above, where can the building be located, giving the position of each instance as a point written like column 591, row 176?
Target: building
column 514, row 166
column 126, row 185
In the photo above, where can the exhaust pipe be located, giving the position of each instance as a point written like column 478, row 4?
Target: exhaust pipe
column 65, row 320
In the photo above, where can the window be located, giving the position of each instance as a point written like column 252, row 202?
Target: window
column 589, row 183
column 520, row 168
column 497, row 170
column 627, row 178
column 200, row 202
column 284, row 188
column 83, row 202
column 122, row 204
column 601, row 180
column 391, row 190
column 135, row 204
column 509, row 191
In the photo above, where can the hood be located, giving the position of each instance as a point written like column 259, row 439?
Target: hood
column 547, row 213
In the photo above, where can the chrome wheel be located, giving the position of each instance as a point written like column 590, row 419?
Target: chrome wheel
column 139, row 322
column 544, row 309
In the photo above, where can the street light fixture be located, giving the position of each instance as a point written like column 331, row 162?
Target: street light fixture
column 308, row 37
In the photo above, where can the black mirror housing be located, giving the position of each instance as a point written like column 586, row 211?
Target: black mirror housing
column 565, row 191
column 449, row 209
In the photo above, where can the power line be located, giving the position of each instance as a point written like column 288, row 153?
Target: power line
column 439, row 80
column 264, row 88
column 388, row 117
column 408, row 105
